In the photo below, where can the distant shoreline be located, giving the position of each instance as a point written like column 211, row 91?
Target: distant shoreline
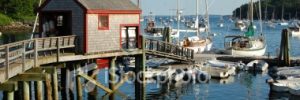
column 15, row 27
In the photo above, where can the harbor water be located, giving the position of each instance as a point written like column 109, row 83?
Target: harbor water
column 242, row 86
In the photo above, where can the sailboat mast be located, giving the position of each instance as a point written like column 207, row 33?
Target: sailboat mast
column 282, row 12
column 197, row 18
column 273, row 14
column 260, row 20
column 266, row 11
column 178, row 19
column 251, row 11
column 240, row 12
column 207, row 16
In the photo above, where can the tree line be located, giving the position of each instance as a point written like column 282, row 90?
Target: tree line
column 18, row 10
column 271, row 9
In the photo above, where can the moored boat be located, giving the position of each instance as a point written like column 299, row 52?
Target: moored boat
column 257, row 65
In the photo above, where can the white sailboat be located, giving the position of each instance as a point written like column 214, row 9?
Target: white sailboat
column 239, row 24
column 197, row 43
column 248, row 44
column 283, row 22
column 176, row 34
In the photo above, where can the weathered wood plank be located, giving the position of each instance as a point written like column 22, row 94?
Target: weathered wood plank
column 9, row 86
column 95, row 82
column 29, row 77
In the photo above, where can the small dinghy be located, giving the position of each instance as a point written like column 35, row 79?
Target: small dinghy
column 284, row 85
column 219, row 63
column 294, row 88
column 279, row 86
column 218, row 72
column 257, row 65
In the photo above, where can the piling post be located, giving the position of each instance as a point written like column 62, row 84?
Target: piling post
column 26, row 91
column 288, row 62
column 139, row 71
column 284, row 55
column 48, row 87
column 112, row 77
column 38, row 90
column 78, row 85
column 55, row 84
column 36, row 52
column 10, row 95
column 65, row 82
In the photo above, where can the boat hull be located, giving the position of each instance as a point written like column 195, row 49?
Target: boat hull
column 294, row 33
column 258, row 52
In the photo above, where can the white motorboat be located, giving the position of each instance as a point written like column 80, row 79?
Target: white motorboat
column 219, row 63
column 287, row 80
column 294, row 88
column 257, row 65
column 279, row 86
column 294, row 31
column 283, row 23
column 218, row 72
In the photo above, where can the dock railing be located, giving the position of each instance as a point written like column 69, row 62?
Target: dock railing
column 26, row 53
column 169, row 49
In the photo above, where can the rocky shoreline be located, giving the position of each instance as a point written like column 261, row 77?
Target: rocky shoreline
column 16, row 27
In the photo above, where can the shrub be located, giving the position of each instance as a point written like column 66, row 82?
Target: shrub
column 4, row 20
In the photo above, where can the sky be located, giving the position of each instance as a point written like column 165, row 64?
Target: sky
column 167, row 7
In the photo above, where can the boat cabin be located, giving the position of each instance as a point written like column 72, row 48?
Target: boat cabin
column 99, row 25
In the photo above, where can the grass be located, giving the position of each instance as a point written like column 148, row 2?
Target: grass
column 4, row 20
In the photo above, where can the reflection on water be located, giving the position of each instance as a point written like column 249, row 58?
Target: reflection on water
column 242, row 86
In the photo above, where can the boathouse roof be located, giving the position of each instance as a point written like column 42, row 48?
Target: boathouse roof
column 108, row 5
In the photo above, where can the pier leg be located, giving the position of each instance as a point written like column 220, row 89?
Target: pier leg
column 10, row 95
column 48, row 87
column 79, row 86
column 66, row 92
column 31, row 88
column 18, row 94
column 112, row 78
column 93, row 94
column 140, row 79
column 39, row 90
column 26, row 91
column 55, row 84
column 63, row 80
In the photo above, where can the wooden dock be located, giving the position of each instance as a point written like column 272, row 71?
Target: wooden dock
column 23, row 61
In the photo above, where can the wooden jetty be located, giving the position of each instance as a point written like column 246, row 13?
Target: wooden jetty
column 23, row 61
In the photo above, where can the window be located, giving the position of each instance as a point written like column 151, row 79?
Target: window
column 103, row 22
column 59, row 21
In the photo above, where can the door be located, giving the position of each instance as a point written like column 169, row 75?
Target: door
column 129, row 37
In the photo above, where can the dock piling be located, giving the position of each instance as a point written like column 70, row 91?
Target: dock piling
column 112, row 77
column 26, row 91
column 55, row 84
column 39, row 90
column 78, row 85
